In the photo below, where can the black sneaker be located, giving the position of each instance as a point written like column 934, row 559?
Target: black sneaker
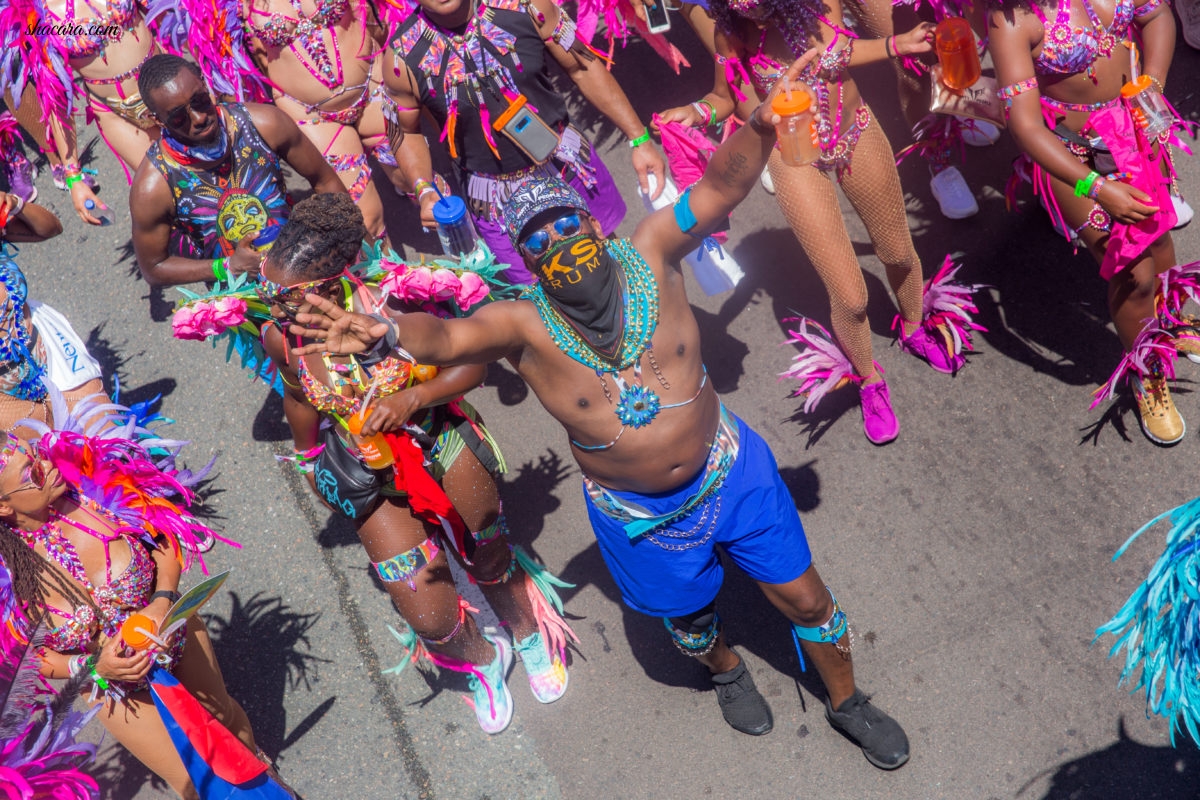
column 741, row 704
column 881, row 738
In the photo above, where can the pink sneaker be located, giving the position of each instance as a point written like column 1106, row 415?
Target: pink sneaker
column 925, row 346
column 879, row 421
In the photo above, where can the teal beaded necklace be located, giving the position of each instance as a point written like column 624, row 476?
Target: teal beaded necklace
column 637, row 406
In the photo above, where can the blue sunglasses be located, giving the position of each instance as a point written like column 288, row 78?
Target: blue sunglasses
column 537, row 243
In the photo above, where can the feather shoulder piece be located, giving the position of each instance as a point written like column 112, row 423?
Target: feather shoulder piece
column 31, row 55
column 1159, row 625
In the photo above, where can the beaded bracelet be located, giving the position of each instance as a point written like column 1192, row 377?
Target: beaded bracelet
column 1084, row 185
column 218, row 269
column 640, row 140
column 1157, row 83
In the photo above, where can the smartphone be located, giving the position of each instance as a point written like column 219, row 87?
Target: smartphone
column 527, row 131
column 657, row 19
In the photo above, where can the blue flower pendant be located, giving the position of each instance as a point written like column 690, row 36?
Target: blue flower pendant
column 638, row 406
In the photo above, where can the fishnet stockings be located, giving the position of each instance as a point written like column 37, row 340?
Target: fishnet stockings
column 809, row 203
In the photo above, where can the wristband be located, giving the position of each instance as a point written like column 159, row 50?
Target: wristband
column 889, row 47
column 100, row 682
column 420, row 186
column 172, row 596
column 71, row 179
column 1083, row 186
column 641, row 140
column 19, row 207
column 218, row 267
column 699, row 109
column 712, row 111
column 760, row 127
column 1094, row 192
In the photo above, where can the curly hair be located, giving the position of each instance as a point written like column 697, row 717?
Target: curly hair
column 322, row 236
column 160, row 70
column 798, row 20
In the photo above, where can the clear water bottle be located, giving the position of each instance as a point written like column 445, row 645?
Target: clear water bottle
column 1147, row 106
column 455, row 230
column 101, row 214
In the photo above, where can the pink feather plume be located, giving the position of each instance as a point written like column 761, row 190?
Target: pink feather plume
column 820, row 366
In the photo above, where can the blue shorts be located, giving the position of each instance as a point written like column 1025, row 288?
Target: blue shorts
column 756, row 524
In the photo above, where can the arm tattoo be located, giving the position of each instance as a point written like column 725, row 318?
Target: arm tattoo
column 735, row 166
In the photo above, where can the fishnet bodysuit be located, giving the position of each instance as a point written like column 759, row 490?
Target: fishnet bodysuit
column 810, row 205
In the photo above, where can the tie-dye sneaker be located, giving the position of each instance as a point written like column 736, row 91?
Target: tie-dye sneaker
column 490, row 696
column 547, row 673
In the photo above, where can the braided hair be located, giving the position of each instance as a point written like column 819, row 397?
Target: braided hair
column 798, row 20
column 35, row 580
column 323, row 234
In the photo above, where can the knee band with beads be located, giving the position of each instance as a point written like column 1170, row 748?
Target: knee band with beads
column 695, row 634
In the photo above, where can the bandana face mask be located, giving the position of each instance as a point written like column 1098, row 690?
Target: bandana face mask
column 216, row 151
column 580, row 278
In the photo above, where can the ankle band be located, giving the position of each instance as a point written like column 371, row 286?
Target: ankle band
column 463, row 608
column 832, row 632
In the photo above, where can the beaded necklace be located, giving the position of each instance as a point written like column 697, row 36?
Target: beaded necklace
column 637, row 405
column 462, row 60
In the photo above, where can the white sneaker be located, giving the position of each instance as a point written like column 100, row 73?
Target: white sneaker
column 1183, row 212
column 953, row 194
column 978, row 133
column 769, row 184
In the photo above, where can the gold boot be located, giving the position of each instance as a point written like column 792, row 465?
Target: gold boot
column 1160, row 420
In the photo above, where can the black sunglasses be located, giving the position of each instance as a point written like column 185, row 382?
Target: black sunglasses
column 201, row 103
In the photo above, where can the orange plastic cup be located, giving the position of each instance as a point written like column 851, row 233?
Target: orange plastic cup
column 134, row 637
column 955, row 45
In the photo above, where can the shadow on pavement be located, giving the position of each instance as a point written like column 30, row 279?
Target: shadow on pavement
column 260, row 647
column 1125, row 770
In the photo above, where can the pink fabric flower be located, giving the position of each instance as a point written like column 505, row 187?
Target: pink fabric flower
column 471, row 290
column 414, row 284
column 444, row 285
column 186, row 324
column 229, row 312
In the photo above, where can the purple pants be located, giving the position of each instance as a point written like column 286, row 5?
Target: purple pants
column 604, row 202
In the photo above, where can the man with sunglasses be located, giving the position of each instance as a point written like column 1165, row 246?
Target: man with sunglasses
column 212, row 187
column 609, row 332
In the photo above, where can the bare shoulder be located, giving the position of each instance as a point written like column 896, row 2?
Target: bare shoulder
column 273, row 125
column 149, row 194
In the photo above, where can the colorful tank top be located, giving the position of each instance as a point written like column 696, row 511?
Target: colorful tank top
column 244, row 195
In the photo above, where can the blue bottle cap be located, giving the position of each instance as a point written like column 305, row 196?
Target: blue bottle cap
column 267, row 236
column 449, row 210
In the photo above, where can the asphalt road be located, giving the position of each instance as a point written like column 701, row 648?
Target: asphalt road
column 972, row 555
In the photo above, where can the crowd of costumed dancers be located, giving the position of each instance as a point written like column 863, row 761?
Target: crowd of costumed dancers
column 203, row 102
